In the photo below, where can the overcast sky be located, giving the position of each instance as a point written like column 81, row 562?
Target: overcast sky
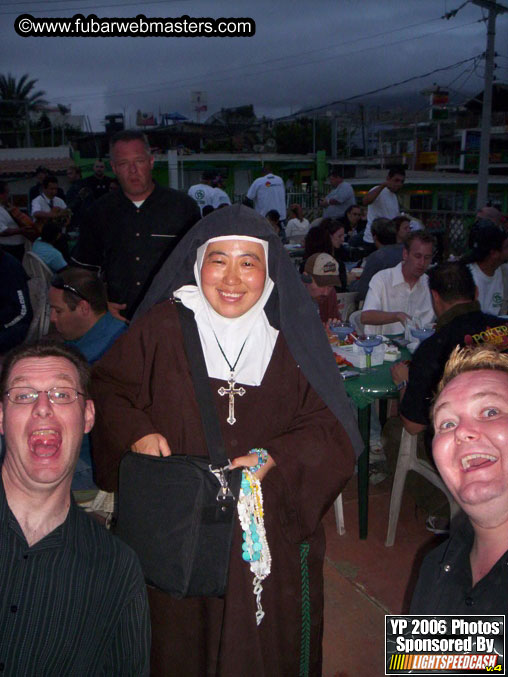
column 304, row 54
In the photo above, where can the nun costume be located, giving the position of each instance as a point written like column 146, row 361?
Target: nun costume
column 260, row 334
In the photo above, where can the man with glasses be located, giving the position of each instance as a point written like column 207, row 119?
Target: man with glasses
column 73, row 597
column 79, row 310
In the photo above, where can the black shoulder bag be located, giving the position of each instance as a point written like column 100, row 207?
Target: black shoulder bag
column 178, row 512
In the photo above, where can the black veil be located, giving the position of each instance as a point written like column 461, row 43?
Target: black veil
column 289, row 308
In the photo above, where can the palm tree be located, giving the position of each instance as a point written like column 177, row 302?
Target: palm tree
column 17, row 99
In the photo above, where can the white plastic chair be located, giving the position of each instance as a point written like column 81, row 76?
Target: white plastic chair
column 347, row 303
column 38, row 286
column 38, row 290
column 408, row 460
column 35, row 267
column 338, row 509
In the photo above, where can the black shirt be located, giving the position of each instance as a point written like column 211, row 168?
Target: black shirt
column 75, row 202
column 445, row 580
column 131, row 243
column 463, row 324
column 73, row 603
column 15, row 306
column 97, row 186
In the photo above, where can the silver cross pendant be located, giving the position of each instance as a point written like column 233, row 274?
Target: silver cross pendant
column 231, row 391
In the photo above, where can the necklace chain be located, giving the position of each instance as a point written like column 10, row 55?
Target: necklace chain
column 231, row 368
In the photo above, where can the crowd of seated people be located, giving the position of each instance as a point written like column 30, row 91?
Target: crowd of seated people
column 144, row 251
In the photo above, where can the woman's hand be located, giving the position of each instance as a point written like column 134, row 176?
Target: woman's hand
column 399, row 372
column 250, row 460
column 115, row 308
column 331, row 321
column 153, row 445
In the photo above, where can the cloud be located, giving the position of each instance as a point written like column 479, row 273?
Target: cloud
column 303, row 54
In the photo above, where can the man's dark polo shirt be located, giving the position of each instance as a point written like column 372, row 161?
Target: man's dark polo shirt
column 463, row 324
column 72, row 604
column 98, row 186
column 445, row 580
column 130, row 244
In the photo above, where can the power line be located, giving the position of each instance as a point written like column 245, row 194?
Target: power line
column 229, row 72
column 300, row 54
column 381, row 89
column 454, row 12
column 79, row 9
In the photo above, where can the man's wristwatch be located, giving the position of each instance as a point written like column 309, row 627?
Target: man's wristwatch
column 402, row 385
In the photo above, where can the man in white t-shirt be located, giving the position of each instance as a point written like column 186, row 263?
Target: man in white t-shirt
column 203, row 193
column 489, row 253
column 339, row 199
column 47, row 205
column 220, row 197
column 382, row 201
column 401, row 293
column 268, row 193
column 11, row 238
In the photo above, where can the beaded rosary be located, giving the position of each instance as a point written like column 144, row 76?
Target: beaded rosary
column 250, row 512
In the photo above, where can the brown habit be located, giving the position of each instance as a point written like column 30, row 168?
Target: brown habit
column 142, row 386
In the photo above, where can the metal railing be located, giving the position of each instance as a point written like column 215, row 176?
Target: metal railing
column 451, row 228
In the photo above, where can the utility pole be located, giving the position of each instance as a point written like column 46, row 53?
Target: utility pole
column 362, row 117
column 483, row 169
column 415, row 144
column 334, row 137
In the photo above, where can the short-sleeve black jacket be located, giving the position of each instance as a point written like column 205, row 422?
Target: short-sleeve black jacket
column 128, row 243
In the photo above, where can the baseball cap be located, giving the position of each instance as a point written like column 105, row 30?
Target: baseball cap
column 324, row 269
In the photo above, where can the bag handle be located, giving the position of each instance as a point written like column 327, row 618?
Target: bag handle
column 201, row 382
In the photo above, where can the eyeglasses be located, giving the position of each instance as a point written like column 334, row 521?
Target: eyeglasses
column 58, row 283
column 56, row 395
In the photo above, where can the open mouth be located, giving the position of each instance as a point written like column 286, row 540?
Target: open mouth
column 474, row 461
column 229, row 296
column 45, row 443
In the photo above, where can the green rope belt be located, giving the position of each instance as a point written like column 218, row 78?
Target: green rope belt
column 305, row 636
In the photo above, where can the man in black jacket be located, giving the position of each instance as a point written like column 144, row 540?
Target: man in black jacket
column 129, row 233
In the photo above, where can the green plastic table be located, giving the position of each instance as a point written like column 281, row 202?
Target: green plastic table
column 363, row 390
